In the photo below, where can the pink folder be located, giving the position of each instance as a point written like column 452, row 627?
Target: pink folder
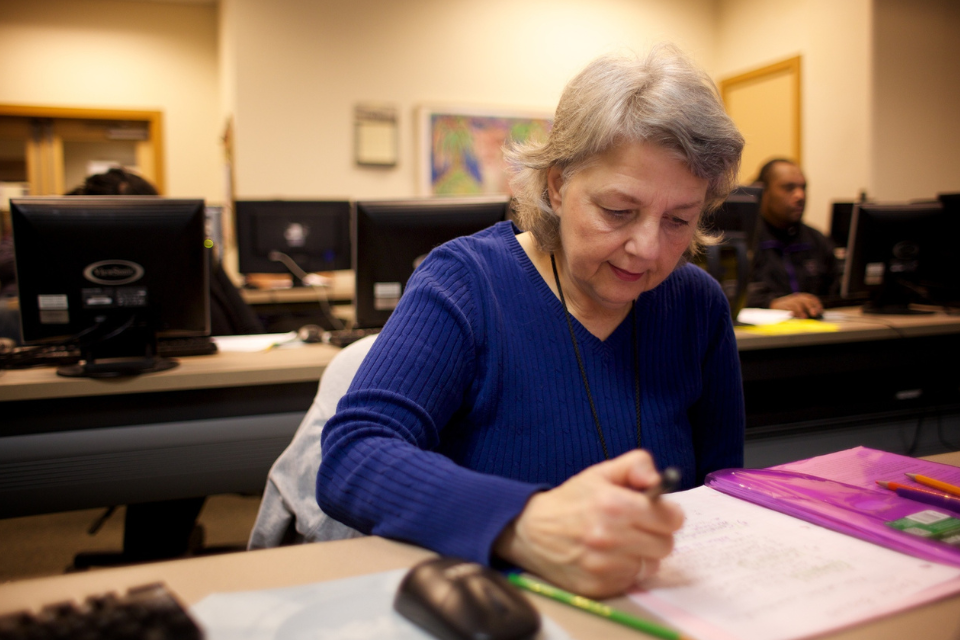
column 839, row 491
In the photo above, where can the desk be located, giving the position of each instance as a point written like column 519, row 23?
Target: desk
column 214, row 424
column 195, row 578
column 891, row 382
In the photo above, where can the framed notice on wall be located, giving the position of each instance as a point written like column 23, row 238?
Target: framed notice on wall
column 461, row 148
column 375, row 135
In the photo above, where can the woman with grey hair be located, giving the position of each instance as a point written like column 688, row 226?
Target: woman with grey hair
column 530, row 384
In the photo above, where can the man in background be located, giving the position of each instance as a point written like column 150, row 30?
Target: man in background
column 794, row 267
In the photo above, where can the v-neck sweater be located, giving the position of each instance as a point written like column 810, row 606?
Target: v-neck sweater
column 471, row 398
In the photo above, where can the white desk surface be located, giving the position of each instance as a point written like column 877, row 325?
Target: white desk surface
column 225, row 369
column 195, row 578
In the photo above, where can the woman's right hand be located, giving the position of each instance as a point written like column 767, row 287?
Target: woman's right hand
column 596, row 534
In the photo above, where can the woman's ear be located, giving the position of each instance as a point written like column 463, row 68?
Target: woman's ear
column 555, row 187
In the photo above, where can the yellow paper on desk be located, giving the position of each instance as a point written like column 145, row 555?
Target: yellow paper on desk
column 794, row 325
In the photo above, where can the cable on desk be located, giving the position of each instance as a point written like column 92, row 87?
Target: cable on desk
column 65, row 352
column 916, row 436
column 43, row 356
column 306, row 279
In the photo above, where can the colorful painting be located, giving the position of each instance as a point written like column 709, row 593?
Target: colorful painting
column 462, row 149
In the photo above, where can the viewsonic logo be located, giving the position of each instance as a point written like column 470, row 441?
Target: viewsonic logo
column 113, row 272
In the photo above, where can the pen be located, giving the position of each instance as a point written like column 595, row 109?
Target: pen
column 594, row 607
column 934, row 498
column 669, row 481
column 936, row 484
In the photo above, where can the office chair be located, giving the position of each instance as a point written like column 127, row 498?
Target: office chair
column 289, row 512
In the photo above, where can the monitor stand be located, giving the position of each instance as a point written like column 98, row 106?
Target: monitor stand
column 119, row 368
column 116, row 358
column 893, row 299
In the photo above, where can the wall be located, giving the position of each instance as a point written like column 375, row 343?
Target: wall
column 117, row 54
column 299, row 67
column 834, row 40
column 916, row 126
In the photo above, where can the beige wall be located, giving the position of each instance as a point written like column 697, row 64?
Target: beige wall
column 301, row 65
column 290, row 71
column 834, row 39
column 118, row 54
column 917, row 99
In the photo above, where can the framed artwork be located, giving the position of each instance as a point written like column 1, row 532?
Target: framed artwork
column 461, row 148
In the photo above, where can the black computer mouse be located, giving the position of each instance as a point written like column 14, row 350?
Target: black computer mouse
column 458, row 600
column 310, row 333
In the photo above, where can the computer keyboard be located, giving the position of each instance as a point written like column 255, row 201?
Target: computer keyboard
column 60, row 355
column 145, row 612
column 185, row 347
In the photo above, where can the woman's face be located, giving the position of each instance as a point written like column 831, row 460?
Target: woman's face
column 625, row 220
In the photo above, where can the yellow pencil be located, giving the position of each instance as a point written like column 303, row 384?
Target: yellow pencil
column 936, row 484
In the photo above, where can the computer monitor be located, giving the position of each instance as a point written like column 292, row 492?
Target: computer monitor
column 841, row 214
column 739, row 213
column 730, row 262
column 903, row 254
column 109, row 275
column 393, row 237
column 314, row 234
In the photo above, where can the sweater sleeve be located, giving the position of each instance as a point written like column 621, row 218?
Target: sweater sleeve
column 380, row 472
column 718, row 418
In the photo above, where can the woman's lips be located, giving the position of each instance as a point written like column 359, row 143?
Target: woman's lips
column 626, row 276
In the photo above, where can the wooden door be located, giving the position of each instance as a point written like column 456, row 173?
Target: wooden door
column 765, row 105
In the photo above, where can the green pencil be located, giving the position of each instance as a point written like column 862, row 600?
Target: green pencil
column 594, row 607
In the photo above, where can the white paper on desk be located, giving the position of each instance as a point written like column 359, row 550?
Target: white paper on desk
column 359, row 608
column 252, row 343
column 750, row 315
column 742, row 571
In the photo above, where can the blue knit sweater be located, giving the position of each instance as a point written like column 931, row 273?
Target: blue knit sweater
column 471, row 398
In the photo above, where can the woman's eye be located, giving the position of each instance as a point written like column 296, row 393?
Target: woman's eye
column 616, row 213
column 677, row 222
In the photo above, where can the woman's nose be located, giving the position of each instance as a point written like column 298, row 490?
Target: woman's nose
column 644, row 241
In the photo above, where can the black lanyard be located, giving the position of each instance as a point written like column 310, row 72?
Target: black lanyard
column 583, row 371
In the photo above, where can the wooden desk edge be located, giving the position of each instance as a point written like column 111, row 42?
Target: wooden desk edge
column 855, row 327
column 190, row 579
column 228, row 369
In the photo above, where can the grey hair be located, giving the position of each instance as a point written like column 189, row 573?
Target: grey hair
column 663, row 99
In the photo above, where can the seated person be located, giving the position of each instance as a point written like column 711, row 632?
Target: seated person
column 532, row 381
column 794, row 265
column 229, row 313
column 8, row 273
column 157, row 530
column 9, row 316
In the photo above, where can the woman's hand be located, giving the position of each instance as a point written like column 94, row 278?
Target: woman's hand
column 596, row 534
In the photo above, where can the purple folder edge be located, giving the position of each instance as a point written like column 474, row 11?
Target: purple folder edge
column 846, row 508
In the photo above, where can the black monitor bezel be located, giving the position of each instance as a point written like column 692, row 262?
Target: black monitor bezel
column 366, row 316
column 863, row 231
column 250, row 261
column 50, row 224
